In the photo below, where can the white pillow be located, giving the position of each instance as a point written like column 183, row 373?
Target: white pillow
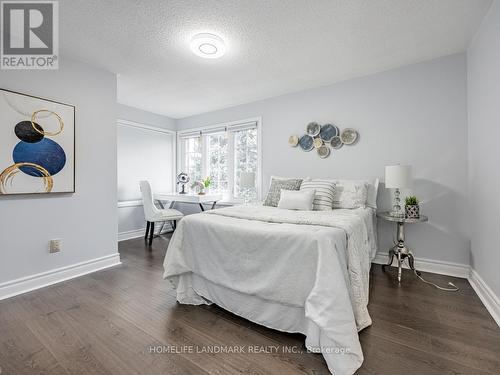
column 371, row 199
column 296, row 200
column 325, row 193
column 371, row 194
column 275, row 187
column 350, row 194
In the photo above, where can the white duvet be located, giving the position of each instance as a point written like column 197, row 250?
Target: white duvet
column 318, row 261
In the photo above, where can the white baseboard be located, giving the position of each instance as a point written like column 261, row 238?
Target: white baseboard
column 128, row 235
column 134, row 203
column 486, row 295
column 484, row 292
column 430, row 265
column 29, row 283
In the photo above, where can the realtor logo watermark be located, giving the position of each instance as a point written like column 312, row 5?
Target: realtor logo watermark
column 30, row 35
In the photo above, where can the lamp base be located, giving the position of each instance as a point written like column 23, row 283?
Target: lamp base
column 396, row 209
column 397, row 214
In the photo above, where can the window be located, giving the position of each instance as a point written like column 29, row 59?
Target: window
column 245, row 160
column 217, row 163
column 193, row 158
column 223, row 153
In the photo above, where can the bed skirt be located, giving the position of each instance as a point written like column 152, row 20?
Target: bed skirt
column 193, row 289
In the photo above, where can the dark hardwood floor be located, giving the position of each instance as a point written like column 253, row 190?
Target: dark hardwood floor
column 111, row 322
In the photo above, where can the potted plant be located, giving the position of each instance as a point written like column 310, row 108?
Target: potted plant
column 412, row 209
column 206, row 183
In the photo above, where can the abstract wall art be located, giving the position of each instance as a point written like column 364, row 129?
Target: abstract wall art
column 37, row 145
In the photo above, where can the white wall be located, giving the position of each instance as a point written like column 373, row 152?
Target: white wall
column 415, row 115
column 136, row 144
column 125, row 112
column 483, row 60
column 86, row 220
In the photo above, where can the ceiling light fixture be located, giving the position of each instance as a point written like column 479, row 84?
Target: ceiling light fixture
column 208, row 46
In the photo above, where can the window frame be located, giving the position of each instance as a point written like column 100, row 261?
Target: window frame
column 231, row 128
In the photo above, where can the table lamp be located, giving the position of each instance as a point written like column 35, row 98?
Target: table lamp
column 397, row 177
column 247, row 182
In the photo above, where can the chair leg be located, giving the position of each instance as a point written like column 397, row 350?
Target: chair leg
column 147, row 230
column 161, row 228
column 151, row 233
column 174, row 225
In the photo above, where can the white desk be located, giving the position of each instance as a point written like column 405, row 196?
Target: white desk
column 188, row 198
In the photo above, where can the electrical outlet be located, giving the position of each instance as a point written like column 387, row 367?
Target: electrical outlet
column 55, row 245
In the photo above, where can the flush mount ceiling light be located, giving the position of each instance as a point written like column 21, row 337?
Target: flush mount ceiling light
column 208, row 46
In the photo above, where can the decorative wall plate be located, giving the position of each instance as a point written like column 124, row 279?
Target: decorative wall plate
column 293, row 140
column 349, row 136
column 328, row 131
column 318, row 142
column 313, row 129
column 323, row 151
column 336, row 142
column 306, row 142
column 324, row 138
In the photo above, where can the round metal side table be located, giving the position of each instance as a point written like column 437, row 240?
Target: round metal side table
column 400, row 250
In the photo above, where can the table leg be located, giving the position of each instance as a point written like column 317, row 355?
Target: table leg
column 172, row 203
column 201, row 207
column 411, row 261
column 213, row 205
column 401, row 233
column 391, row 258
column 399, row 267
column 401, row 249
column 161, row 228
column 162, row 206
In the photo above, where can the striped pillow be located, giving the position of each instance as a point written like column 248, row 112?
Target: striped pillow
column 323, row 199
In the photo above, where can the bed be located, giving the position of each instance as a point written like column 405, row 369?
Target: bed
column 294, row 271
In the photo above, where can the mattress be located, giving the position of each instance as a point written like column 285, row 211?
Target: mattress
column 295, row 271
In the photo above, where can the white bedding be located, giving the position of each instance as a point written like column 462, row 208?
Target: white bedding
column 312, row 263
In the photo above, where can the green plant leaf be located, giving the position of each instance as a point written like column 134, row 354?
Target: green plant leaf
column 411, row 200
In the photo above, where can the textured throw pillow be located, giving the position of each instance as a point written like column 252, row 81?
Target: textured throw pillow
column 324, row 193
column 297, row 200
column 350, row 194
column 278, row 184
column 372, row 192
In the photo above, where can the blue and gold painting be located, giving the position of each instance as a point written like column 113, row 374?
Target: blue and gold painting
column 37, row 145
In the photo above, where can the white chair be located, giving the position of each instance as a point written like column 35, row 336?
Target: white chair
column 154, row 215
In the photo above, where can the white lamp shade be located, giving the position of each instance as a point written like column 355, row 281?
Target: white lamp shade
column 247, row 180
column 398, row 176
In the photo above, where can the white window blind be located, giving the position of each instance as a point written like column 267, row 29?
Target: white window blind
column 143, row 154
column 217, row 129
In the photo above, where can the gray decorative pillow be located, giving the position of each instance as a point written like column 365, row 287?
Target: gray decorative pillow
column 277, row 183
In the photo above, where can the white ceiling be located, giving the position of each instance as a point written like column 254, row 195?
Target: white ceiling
column 274, row 46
